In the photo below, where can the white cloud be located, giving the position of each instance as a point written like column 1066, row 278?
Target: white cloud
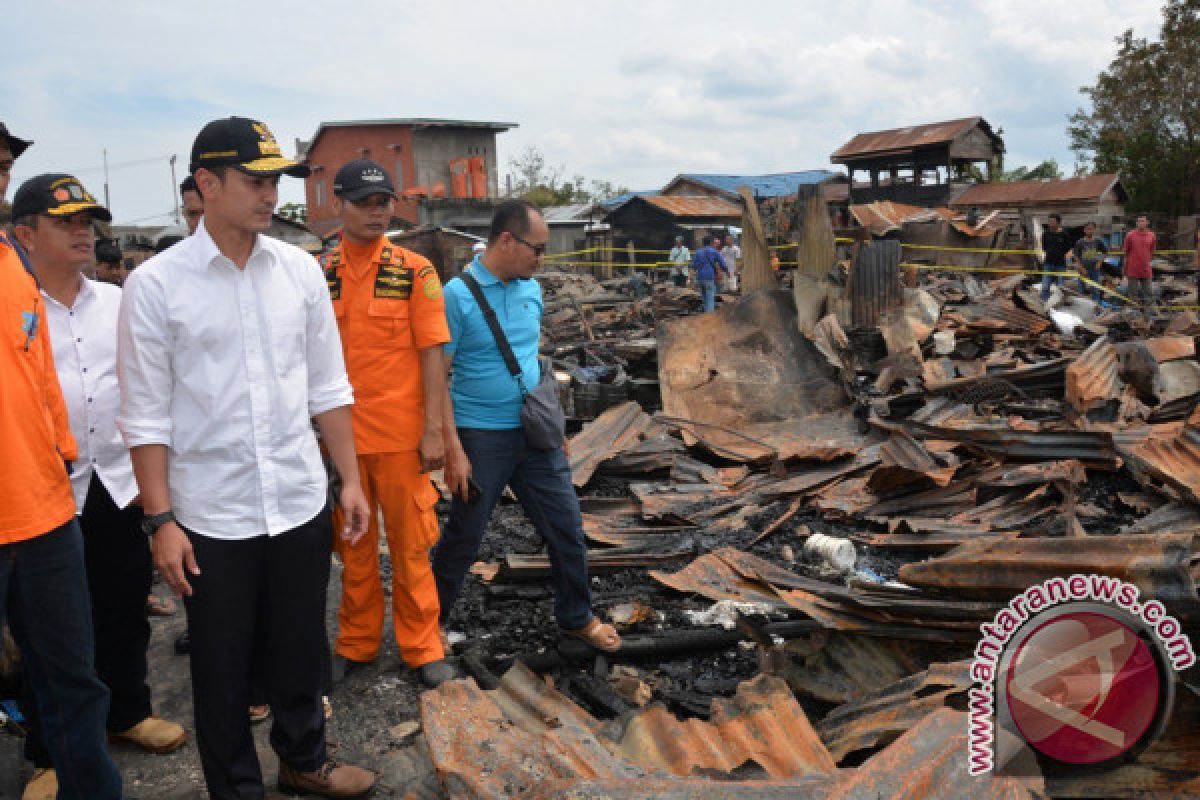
column 632, row 92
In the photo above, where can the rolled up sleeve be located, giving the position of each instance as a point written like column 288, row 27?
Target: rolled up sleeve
column 328, row 386
column 144, row 369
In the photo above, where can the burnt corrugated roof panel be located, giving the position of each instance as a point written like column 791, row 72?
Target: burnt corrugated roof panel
column 901, row 140
column 1020, row 193
column 695, row 206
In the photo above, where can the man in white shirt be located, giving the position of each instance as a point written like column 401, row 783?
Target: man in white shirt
column 54, row 221
column 227, row 347
column 680, row 258
column 732, row 254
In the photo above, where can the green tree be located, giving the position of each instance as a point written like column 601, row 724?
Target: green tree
column 1044, row 171
column 1144, row 120
column 295, row 212
column 542, row 184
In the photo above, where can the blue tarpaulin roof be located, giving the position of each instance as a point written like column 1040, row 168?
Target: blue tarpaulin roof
column 774, row 185
column 622, row 199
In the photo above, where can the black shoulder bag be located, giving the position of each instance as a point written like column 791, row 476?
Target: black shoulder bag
column 542, row 416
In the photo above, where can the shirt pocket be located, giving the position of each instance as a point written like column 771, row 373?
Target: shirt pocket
column 389, row 324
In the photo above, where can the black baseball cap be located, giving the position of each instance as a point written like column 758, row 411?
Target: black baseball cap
column 244, row 144
column 360, row 179
column 58, row 195
column 15, row 146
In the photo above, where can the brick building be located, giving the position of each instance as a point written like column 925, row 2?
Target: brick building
column 425, row 157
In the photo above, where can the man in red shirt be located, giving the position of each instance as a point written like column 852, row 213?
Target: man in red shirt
column 1139, row 247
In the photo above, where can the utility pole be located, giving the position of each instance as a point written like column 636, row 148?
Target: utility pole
column 107, row 202
column 174, row 192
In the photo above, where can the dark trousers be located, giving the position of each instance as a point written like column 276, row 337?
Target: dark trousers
column 117, row 557
column 265, row 594
column 541, row 480
column 44, row 590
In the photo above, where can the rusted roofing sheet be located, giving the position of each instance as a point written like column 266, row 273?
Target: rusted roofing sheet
column 900, row 140
column 695, row 206
column 904, row 460
column 495, row 744
column 753, row 725
column 1021, row 193
column 929, row 762
column 1092, row 378
column 878, row 717
column 616, row 430
column 1090, row 447
column 744, row 366
column 1158, row 565
column 1175, row 461
column 1169, row 348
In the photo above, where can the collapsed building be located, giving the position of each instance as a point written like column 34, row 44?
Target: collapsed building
column 801, row 508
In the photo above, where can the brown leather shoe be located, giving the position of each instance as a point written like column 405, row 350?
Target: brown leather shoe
column 153, row 735
column 330, row 780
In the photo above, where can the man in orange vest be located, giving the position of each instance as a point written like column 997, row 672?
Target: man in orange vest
column 43, row 586
column 390, row 312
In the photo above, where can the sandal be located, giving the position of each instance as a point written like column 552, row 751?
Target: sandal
column 599, row 635
column 159, row 607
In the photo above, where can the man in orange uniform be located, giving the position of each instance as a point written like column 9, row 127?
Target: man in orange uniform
column 390, row 312
column 43, row 586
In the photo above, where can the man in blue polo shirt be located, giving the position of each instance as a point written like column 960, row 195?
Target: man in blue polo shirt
column 486, row 448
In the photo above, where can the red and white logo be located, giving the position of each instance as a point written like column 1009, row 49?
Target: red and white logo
column 1082, row 687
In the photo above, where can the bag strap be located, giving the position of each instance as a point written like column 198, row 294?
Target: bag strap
column 489, row 315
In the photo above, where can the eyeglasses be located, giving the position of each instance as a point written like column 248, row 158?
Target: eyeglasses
column 538, row 249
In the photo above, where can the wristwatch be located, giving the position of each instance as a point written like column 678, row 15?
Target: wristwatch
column 152, row 523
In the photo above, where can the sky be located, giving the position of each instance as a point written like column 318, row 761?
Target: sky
column 623, row 91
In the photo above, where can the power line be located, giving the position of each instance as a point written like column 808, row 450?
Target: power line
column 140, row 162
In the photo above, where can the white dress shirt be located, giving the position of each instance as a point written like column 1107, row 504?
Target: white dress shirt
column 84, row 338
column 226, row 367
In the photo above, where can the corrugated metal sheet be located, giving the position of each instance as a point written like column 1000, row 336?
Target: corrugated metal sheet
column 1174, row 461
column 874, row 284
column 1026, row 193
column 1090, row 447
column 615, row 431
column 746, row 366
column 904, row 460
column 1000, row 315
column 929, row 762
column 901, row 140
column 499, row 743
column 885, row 216
column 753, row 725
column 1158, row 565
column 880, row 717
column 1092, row 378
column 1170, row 348
column 695, row 206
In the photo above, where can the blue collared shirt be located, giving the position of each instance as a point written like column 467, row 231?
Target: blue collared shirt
column 484, row 392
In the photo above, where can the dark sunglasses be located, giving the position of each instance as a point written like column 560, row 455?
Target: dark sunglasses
column 538, row 249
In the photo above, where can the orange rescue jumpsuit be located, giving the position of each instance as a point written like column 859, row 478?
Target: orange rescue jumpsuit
column 388, row 303
column 35, row 492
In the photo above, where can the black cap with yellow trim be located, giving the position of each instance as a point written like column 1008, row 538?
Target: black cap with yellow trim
column 56, row 195
column 244, row 144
